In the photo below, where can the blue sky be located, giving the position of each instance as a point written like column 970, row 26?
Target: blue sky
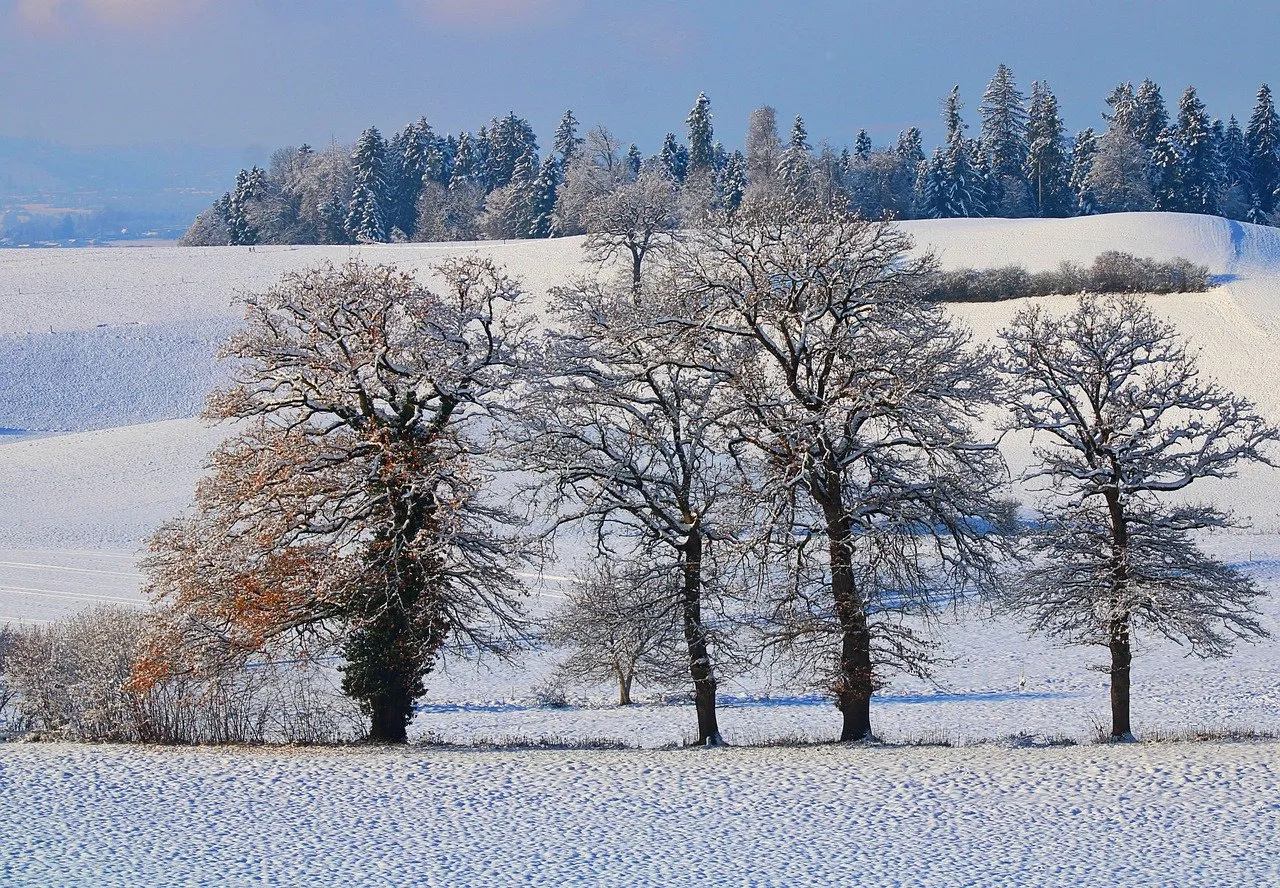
column 239, row 73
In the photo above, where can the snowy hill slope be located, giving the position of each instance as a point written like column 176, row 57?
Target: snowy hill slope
column 75, row 507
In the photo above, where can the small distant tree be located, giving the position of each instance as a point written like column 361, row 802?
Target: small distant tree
column 635, row 220
column 1129, row 425
column 348, row 513
column 621, row 623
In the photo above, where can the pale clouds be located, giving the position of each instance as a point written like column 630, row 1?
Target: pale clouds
column 52, row 17
column 488, row 13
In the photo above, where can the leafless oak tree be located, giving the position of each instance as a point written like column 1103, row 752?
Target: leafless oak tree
column 625, row 426
column 853, row 400
column 621, row 622
column 1129, row 423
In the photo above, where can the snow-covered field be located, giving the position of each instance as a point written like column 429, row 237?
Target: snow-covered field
column 105, row 357
column 1181, row 814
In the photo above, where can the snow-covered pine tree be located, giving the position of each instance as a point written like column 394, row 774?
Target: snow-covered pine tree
column 930, row 188
column 1124, row 109
column 1004, row 136
column 567, row 140
column 1083, row 152
column 1047, row 166
column 543, row 199
column 796, row 164
column 367, row 218
column 1262, row 138
column 701, row 136
column 465, row 171
column 674, row 158
column 1167, row 165
column 1199, row 174
column 634, row 161
column 733, row 181
column 408, row 154
column 958, row 182
column 1237, row 179
column 1149, row 114
column 510, row 138
column 862, row 145
column 241, row 230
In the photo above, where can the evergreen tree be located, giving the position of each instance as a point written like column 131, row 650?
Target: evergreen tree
column 250, row 187
column 1262, row 139
column 1198, row 176
column 957, row 181
column 862, row 145
column 1233, row 157
column 567, row 141
column 1167, row 165
column 410, row 151
column 734, row 180
column 797, row 163
column 367, row 218
column 466, row 164
column 1082, row 154
column 911, row 149
column 1149, row 114
column 634, row 161
column 1004, row 136
column 1047, row 167
column 674, row 158
column 1124, row 109
column 509, row 139
column 543, row 198
column 701, row 151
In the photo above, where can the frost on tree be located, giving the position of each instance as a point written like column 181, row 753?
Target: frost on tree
column 851, row 404
column 1125, row 424
column 623, row 424
column 620, row 623
column 349, row 512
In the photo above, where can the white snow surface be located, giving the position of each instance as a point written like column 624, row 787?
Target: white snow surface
column 1140, row 815
column 94, row 473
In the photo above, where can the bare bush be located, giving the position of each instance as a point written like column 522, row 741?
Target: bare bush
column 70, row 680
column 1111, row 272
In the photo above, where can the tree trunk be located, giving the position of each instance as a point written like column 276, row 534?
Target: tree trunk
column 854, row 685
column 1121, row 658
column 637, row 260
column 1121, row 649
column 389, row 719
column 695, row 636
column 624, row 689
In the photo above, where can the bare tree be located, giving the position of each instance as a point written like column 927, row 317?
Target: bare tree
column 635, row 219
column 1118, row 177
column 1129, row 422
column 763, row 145
column 853, row 398
column 625, row 427
column 350, row 509
column 592, row 173
column 621, row 623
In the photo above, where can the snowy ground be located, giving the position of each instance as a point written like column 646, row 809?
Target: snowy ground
column 105, row 356
column 1168, row 814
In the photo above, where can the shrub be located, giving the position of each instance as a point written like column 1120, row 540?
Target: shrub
column 1111, row 272
column 71, row 680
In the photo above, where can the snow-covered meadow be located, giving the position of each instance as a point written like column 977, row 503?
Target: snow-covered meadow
column 105, row 356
